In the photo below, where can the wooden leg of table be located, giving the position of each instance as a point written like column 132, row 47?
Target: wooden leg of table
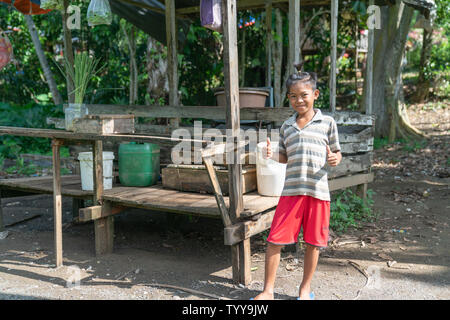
column 57, row 203
column 361, row 191
column 241, row 262
column 104, row 235
column 77, row 204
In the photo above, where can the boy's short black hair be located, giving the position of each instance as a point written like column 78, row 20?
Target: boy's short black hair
column 306, row 77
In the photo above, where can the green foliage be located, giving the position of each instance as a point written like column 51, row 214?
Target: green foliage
column 415, row 145
column 347, row 209
column 83, row 70
column 380, row 142
column 30, row 115
column 22, row 169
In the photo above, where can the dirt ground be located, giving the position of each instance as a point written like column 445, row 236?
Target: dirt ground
column 402, row 255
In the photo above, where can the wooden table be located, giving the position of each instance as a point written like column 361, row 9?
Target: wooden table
column 103, row 224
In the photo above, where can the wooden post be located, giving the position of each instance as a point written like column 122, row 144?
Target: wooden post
column 57, row 202
column 334, row 21
column 268, row 43
column 172, row 59
column 240, row 253
column 232, row 98
column 103, row 227
column 369, row 66
column 294, row 35
column 77, row 204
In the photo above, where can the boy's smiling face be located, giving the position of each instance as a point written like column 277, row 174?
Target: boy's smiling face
column 301, row 97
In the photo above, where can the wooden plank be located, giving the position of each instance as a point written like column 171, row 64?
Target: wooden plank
column 197, row 180
column 104, row 235
column 349, row 181
column 104, row 124
column 97, row 212
column 57, row 203
column 219, row 113
column 244, row 230
column 224, row 211
column 357, row 147
column 334, row 26
column 351, row 164
column 83, row 137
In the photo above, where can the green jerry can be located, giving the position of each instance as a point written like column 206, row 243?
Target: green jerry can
column 138, row 164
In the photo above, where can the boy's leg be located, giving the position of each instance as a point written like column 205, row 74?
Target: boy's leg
column 271, row 267
column 310, row 264
column 315, row 234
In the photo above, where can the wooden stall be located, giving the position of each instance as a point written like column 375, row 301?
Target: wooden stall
column 243, row 215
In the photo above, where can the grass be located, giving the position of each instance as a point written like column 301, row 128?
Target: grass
column 348, row 209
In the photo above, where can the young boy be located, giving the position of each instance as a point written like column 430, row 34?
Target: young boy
column 308, row 143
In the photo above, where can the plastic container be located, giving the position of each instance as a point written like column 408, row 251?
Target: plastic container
column 73, row 111
column 86, row 169
column 139, row 164
column 270, row 174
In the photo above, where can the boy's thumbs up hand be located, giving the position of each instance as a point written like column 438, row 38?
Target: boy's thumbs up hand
column 332, row 158
column 268, row 150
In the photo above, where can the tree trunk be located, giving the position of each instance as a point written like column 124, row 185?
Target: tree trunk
column 389, row 47
column 424, row 81
column 131, row 42
column 43, row 60
column 68, row 52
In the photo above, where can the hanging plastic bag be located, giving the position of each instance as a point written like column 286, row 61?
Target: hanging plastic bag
column 52, row 4
column 99, row 12
column 211, row 14
column 6, row 51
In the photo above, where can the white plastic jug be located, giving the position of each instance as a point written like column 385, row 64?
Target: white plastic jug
column 86, row 168
column 270, row 174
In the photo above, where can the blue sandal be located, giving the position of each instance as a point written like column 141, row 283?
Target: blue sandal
column 311, row 296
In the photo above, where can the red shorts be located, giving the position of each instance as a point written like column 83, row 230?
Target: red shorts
column 292, row 213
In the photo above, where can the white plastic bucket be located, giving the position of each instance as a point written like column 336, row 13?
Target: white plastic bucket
column 86, row 168
column 270, row 174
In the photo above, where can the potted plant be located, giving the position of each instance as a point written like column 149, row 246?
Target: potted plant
column 83, row 70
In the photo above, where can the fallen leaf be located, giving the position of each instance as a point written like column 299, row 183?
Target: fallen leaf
column 254, row 269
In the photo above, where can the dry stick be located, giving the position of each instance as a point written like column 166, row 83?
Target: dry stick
column 185, row 289
column 360, row 269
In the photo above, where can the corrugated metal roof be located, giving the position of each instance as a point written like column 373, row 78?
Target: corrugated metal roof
column 152, row 21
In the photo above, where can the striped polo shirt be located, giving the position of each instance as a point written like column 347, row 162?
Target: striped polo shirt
column 306, row 171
